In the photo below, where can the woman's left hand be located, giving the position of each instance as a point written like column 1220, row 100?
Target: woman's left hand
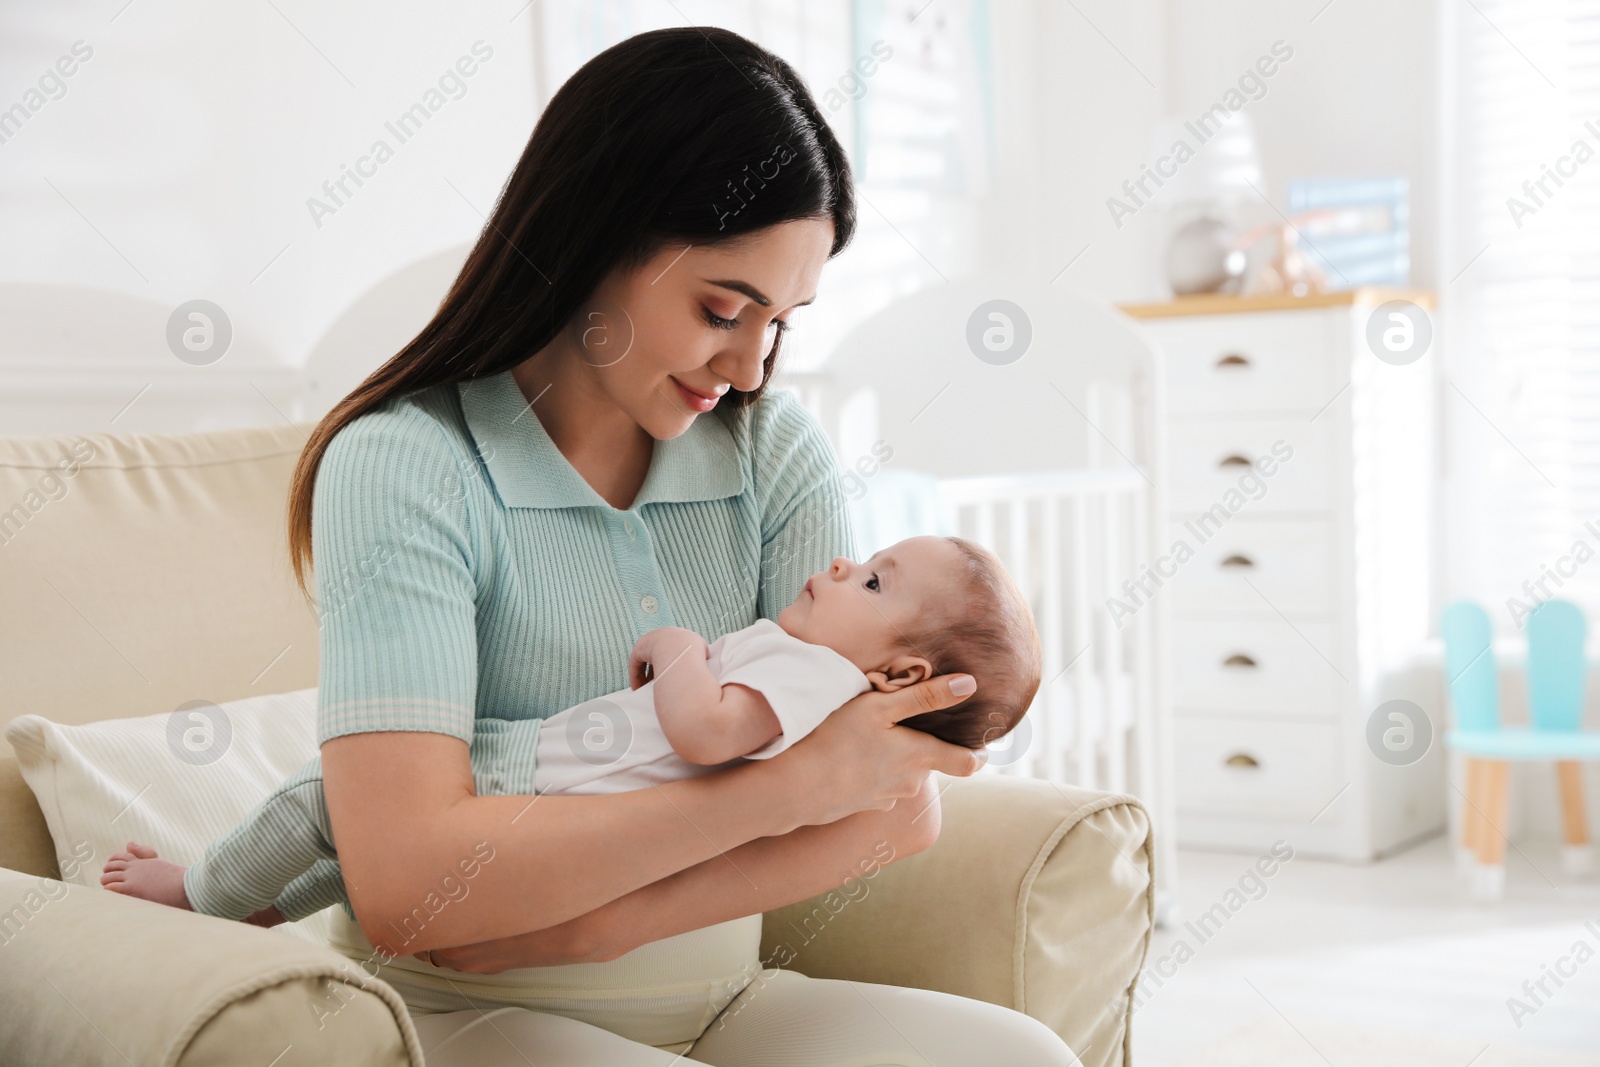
column 577, row 940
column 565, row 943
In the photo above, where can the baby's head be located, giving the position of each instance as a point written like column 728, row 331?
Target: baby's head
column 927, row 606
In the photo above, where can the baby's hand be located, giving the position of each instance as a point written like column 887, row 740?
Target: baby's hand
column 659, row 649
column 639, row 669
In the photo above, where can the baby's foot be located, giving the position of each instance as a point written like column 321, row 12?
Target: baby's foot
column 138, row 872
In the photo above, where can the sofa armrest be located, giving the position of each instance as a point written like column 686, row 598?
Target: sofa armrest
column 94, row 978
column 1037, row 896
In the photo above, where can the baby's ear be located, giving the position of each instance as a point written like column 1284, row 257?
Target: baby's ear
column 882, row 682
column 906, row 672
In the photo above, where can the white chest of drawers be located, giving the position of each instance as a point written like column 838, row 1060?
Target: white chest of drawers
column 1298, row 575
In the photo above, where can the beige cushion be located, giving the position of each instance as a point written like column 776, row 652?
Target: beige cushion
column 175, row 781
column 141, row 572
column 94, row 979
column 154, row 575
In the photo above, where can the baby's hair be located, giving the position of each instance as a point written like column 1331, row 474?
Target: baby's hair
column 986, row 631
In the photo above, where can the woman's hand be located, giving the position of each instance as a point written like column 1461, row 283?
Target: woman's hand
column 579, row 940
column 859, row 759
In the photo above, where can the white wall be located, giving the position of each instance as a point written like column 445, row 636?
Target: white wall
column 1078, row 86
column 180, row 159
column 196, row 135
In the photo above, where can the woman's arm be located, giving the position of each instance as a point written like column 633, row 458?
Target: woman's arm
column 553, row 858
column 541, row 859
column 758, row 876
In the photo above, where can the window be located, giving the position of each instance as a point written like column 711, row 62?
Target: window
column 1521, row 303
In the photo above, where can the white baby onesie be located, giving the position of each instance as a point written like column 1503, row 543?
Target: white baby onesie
column 615, row 743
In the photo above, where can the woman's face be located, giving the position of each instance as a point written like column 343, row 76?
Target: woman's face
column 663, row 342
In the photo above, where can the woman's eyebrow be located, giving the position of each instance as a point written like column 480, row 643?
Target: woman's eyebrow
column 753, row 293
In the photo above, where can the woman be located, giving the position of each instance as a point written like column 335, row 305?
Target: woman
column 576, row 449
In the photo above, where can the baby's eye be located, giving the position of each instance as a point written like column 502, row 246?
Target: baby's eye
column 872, row 583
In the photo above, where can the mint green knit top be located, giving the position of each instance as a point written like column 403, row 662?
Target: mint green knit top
column 465, row 571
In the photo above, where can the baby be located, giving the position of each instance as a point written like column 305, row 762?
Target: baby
column 922, row 607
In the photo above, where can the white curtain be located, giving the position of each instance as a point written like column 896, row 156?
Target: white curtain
column 1520, row 299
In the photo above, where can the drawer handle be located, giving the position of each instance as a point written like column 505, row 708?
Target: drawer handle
column 1235, row 460
column 1243, row 562
column 1232, row 361
column 1238, row 659
column 1242, row 759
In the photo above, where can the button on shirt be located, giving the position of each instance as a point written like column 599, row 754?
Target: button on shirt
column 466, row 571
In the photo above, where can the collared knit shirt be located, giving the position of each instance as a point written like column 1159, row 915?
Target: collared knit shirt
column 465, row 571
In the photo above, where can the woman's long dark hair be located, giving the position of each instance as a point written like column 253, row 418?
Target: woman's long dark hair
column 668, row 136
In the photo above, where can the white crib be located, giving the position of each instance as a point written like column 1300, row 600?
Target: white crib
column 1062, row 536
column 1072, row 518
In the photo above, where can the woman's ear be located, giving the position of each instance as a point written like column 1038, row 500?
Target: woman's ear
column 903, row 671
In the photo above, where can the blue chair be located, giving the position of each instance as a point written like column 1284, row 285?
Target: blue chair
column 1555, row 677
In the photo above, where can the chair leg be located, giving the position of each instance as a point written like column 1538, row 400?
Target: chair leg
column 1467, row 854
column 1489, row 879
column 1577, row 854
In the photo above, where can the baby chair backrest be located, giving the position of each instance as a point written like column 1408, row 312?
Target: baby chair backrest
column 1470, row 667
column 1556, row 668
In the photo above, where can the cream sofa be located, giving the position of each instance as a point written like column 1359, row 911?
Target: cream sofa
column 156, row 574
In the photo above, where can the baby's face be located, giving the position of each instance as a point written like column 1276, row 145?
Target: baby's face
column 864, row 610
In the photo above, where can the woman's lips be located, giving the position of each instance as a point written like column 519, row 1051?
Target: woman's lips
column 699, row 401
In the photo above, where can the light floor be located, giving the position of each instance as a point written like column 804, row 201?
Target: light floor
column 1387, row 963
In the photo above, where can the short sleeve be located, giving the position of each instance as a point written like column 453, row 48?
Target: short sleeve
column 804, row 683
column 396, row 596
column 805, row 520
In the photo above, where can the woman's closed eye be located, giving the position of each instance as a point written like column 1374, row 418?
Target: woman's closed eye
column 717, row 322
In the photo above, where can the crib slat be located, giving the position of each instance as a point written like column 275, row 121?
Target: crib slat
column 1047, row 732
column 1016, row 561
column 1083, row 632
column 1116, row 718
column 1142, row 675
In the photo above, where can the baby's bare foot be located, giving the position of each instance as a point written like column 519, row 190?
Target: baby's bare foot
column 139, row 872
